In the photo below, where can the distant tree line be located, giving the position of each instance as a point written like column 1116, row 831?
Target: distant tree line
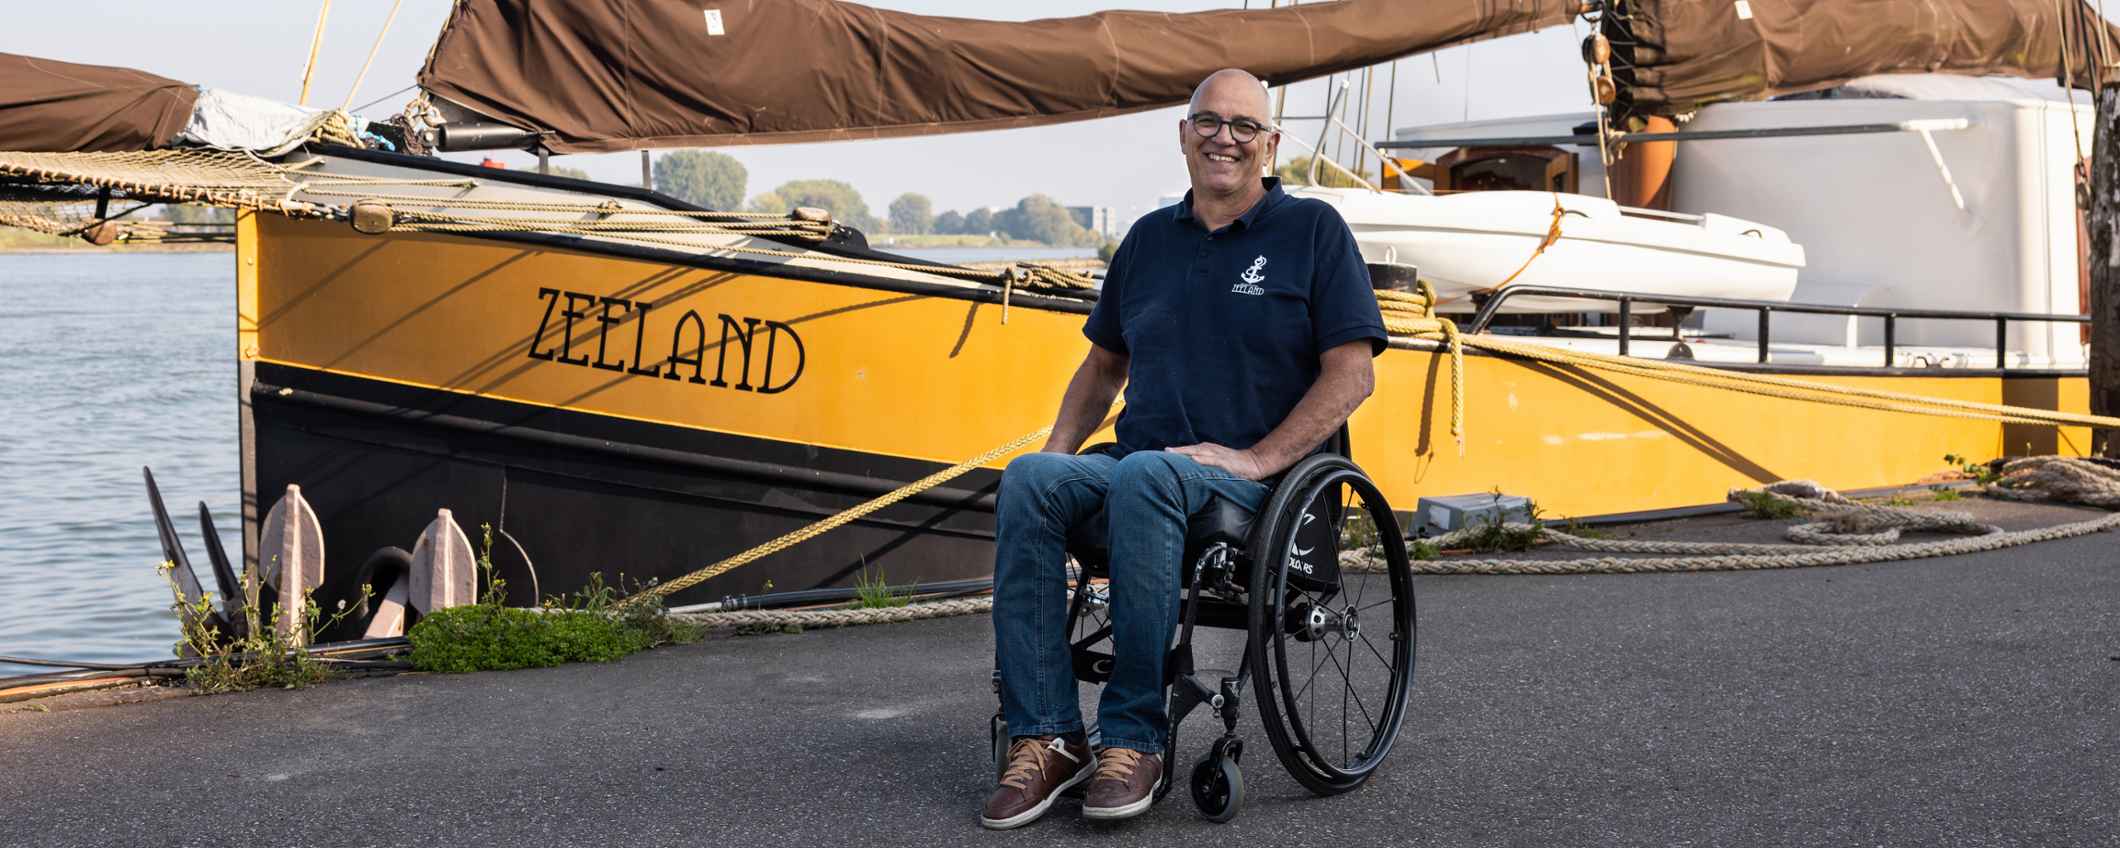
column 718, row 181
column 1035, row 218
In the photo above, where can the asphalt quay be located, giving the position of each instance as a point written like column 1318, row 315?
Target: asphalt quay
column 1969, row 700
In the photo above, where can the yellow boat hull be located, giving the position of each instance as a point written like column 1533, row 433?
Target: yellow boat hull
column 843, row 377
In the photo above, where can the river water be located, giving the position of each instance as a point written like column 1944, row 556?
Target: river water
column 110, row 362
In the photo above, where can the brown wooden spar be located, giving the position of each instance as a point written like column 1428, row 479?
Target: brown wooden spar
column 601, row 76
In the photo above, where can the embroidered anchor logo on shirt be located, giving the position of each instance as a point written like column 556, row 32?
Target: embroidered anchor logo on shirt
column 1251, row 278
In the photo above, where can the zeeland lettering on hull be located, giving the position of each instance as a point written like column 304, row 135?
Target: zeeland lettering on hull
column 739, row 354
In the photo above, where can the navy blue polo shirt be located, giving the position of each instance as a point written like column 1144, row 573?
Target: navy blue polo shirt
column 1223, row 329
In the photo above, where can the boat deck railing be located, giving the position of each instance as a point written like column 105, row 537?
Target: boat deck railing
column 1491, row 305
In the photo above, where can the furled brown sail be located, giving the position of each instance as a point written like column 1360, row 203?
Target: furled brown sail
column 58, row 107
column 1671, row 56
column 623, row 74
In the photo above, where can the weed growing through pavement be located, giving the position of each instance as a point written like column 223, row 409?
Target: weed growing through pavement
column 1575, row 527
column 1983, row 473
column 1358, row 531
column 1943, row 494
column 878, row 594
column 1763, row 505
column 1497, row 534
column 261, row 656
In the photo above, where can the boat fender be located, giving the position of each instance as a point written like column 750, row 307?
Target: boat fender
column 443, row 569
column 1393, row 276
column 101, row 234
column 291, row 561
column 372, row 217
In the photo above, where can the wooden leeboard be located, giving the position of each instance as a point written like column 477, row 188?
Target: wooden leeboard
column 443, row 567
column 291, row 557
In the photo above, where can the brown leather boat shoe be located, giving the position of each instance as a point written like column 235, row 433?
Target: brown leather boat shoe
column 1039, row 769
column 1125, row 784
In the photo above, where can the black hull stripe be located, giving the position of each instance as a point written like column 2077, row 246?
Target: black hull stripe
column 785, row 463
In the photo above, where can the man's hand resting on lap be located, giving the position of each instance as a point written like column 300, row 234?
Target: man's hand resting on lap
column 1239, row 462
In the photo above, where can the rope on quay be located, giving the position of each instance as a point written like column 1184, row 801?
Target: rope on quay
column 1847, row 532
column 841, row 617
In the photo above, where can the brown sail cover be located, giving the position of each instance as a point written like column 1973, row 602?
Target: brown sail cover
column 59, row 107
column 624, row 74
column 1671, row 56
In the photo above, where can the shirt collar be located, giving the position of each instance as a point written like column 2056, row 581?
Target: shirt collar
column 1250, row 216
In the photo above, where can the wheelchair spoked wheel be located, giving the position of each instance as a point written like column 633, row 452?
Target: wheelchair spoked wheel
column 1331, row 650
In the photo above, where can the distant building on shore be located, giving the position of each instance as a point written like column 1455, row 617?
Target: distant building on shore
column 1097, row 219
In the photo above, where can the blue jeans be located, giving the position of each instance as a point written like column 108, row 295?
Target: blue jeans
column 1148, row 496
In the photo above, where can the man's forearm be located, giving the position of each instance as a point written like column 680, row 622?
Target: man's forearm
column 1337, row 393
column 1089, row 396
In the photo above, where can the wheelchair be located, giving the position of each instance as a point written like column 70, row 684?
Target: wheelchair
column 1329, row 653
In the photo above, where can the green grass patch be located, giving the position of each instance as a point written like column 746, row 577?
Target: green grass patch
column 1424, row 550
column 878, row 594
column 1358, row 531
column 1942, row 494
column 1763, row 505
column 1983, row 473
column 585, row 626
column 485, row 637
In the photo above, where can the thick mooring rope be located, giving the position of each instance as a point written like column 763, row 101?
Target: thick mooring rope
column 1847, row 533
column 841, row 617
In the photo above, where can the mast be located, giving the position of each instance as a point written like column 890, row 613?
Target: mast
column 2105, row 279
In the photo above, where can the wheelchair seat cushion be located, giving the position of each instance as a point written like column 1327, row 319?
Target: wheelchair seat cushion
column 1222, row 520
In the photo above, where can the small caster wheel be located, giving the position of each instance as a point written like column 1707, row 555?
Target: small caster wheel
column 1218, row 788
column 997, row 737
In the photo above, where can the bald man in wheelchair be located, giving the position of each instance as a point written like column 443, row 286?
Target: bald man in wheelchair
column 1241, row 325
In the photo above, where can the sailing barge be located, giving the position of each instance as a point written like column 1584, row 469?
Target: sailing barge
column 621, row 384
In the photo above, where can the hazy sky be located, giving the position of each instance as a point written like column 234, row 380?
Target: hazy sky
column 259, row 46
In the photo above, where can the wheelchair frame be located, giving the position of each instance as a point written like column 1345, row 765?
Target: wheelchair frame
column 1211, row 592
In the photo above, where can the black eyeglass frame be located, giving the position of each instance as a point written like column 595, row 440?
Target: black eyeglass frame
column 1236, row 131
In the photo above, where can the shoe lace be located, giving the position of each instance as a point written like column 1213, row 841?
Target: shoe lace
column 1027, row 758
column 1117, row 763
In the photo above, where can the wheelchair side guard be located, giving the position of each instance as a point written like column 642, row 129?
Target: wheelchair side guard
column 1314, row 553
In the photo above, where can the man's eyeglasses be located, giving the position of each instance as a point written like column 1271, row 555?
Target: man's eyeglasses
column 1208, row 124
